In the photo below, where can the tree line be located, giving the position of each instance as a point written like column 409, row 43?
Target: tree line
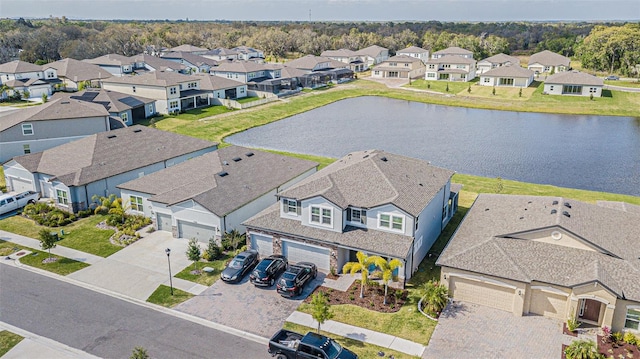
column 45, row 40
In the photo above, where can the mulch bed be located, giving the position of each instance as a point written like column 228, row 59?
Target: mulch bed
column 564, row 347
column 373, row 297
column 619, row 350
column 566, row 331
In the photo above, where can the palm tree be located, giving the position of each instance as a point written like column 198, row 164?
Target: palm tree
column 3, row 89
column 387, row 268
column 362, row 266
column 582, row 349
column 436, row 296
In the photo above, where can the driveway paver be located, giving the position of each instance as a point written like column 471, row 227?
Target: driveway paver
column 474, row 331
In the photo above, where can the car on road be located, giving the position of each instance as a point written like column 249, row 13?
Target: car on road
column 239, row 266
column 286, row 344
column 612, row 78
column 292, row 282
column 268, row 270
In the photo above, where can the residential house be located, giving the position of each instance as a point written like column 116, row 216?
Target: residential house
column 115, row 64
column 548, row 62
column 317, row 71
column 249, row 53
column 51, row 124
column 375, row 202
column 212, row 194
column 399, row 66
column 416, row 52
column 548, row 256
column 247, row 71
column 194, row 63
column 574, row 83
column 221, row 54
column 190, row 49
column 127, row 108
column 451, row 68
column 453, row 51
column 373, row 55
column 146, row 63
column 312, row 63
column 74, row 72
column 509, row 76
column 26, row 78
column 348, row 57
column 220, row 87
column 72, row 173
column 494, row 61
column 172, row 91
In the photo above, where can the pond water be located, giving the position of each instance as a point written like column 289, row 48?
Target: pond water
column 599, row 153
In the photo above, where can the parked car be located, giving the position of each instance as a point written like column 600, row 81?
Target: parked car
column 286, row 344
column 612, row 78
column 268, row 270
column 239, row 266
column 292, row 282
column 11, row 202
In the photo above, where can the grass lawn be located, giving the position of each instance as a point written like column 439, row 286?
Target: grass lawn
column 205, row 278
column 3, row 183
column 8, row 340
column 439, row 86
column 162, row 296
column 81, row 234
column 62, row 266
column 248, row 99
column 364, row 350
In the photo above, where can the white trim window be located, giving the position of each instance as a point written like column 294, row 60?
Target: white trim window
column 26, row 149
column 357, row 215
column 290, row 206
column 62, row 197
column 27, row 129
column 136, row 203
column 632, row 320
column 173, row 90
column 321, row 215
column 125, row 117
column 391, row 221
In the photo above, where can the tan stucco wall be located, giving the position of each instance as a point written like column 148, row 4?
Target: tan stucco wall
column 620, row 314
column 566, row 239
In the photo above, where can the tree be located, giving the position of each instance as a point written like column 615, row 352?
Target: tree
column 362, row 266
column 139, row 353
column 3, row 90
column 320, row 309
column 104, row 203
column 26, row 94
column 231, row 240
column 387, row 268
column 435, row 295
column 47, row 240
column 44, row 98
column 582, row 349
column 193, row 252
column 213, row 250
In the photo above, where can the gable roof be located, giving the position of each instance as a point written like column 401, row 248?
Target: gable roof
column 155, row 78
column 368, row 179
column 240, row 66
column 373, row 50
column 338, row 53
column 247, row 178
column 17, row 66
column 574, row 78
column 453, row 50
column 501, row 59
column 158, row 63
column 245, row 49
column 308, row 62
column 113, row 101
column 411, row 50
column 107, row 154
column 221, row 51
column 549, row 58
column 188, row 48
column 191, row 58
column 110, row 60
column 510, row 71
column 452, row 59
column 402, row 58
column 488, row 241
column 213, row 83
column 76, row 70
column 53, row 110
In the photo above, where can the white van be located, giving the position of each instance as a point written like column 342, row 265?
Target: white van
column 12, row 202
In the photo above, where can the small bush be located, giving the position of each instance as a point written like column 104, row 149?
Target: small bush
column 616, row 337
column 352, row 297
column 213, row 251
column 630, row 338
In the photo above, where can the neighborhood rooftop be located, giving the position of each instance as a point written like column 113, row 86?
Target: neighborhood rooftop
column 509, row 71
column 18, row 66
column 574, row 78
column 155, row 78
column 549, row 58
column 76, row 70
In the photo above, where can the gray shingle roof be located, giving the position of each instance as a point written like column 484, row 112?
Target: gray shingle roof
column 214, row 83
column 53, row 110
column 76, row 70
column 338, row 53
column 191, row 58
column 188, row 48
column 198, row 179
column 17, row 66
column 368, row 179
column 510, row 71
column 240, row 66
column 454, row 51
column 411, row 50
column 307, row 62
column 373, row 50
column 113, row 101
column 155, row 78
column 490, row 240
column 221, row 51
column 501, row 59
column 452, row 59
column 159, row 64
column 574, row 78
column 110, row 60
column 110, row 153
column 549, row 58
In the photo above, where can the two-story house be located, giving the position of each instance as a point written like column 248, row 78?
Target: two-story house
column 127, row 108
column 249, row 53
column 497, row 60
column 74, row 72
column 72, row 173
column 220, row 87
column 547, row 62
column 173, row 92
column 115, row 64
column 375, row 202
column 316, row 71
column 453, row 51
column 416, row 52
column 373, row 55
column 221, row 54
column 247, row 71
column 146, row 63
column 349, row 57
column 194, row 63
column 399, row 66
column 26, row 78
column 54, row 123
column 451, row 68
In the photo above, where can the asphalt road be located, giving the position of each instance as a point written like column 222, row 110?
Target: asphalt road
column 106, row 326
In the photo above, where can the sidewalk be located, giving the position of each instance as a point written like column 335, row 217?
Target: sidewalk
column 361, row 334
column 34, row 346
column 58, row 250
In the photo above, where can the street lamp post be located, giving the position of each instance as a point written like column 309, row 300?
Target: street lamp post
column 168, row 251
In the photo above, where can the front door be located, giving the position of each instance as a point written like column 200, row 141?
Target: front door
column 589, row 310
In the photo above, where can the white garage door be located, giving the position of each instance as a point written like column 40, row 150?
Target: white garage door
column 164, row 222
column 482, row 293
column 263, row 244
column 37, row 92
column 21, row 185
column 200, row 232
column 548, row 304
column 300, row 252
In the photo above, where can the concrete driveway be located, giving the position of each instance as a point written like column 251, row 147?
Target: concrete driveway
column 475, row 331
column 243, row 306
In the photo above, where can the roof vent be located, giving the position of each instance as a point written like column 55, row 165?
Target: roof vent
column 111, row 136
column 554, row 211
column 555, row 202
column 521, row 217
column 225, row 163
column 237, row 159
column 65, row 102
column 486, row 209
column 420, row 184
column 249, row 154
column 567, row 204
column 384, row 159
column 137, row 130
column 365, row 156
column 223, row 173
column 566, row 214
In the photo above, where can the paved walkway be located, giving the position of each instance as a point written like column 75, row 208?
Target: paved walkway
column 34, row 346
column 58, row 250
column 361, row 334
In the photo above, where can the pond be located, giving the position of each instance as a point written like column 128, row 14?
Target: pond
column 600, row 153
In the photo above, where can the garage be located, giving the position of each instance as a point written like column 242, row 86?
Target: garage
column 483, row 293
column 263, row 244
column 21, row 185
column 549, row 304
column 302, row 252
column 198, row 231
column 164, row 222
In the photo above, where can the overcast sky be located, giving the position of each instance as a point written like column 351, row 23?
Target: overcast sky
column 327, row 10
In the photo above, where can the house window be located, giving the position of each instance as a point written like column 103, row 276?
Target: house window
column 27, row 129
column 551, row 88
column 391, row 221
column 571, row 89
column 357, row 215
column 486, row 80
column 432, row 66
column 290, row 206
column 406, row 65
column 431, row 74
column 125, row 117
column 592, row 90
column 321, row 215
column 507, row 81
column 150, row 108
column 632, row 320
column 446, row 66
column 26, row 149
column 546, row 69
column 173, row 90
column 134, row 88
column 417, row 223
column 376, row 72
column 241, row 89
column 136, row 203
column 62, row 197
column 173, row 104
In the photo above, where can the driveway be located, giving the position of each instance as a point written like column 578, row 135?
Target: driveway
column 243, row 306
column 474, row 331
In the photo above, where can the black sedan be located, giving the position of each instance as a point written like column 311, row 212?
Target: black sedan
column 292, row 282
column 268, row 270
column 239, row 266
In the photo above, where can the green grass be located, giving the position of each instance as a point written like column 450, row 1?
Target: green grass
column 3, row 183
column 162, row 296
column 82, row 234
column 633, row 84
column 205, row 278
column 62, row 266
column 439, row 86
column 248, row 99
column 8, row 340
column 362, row 349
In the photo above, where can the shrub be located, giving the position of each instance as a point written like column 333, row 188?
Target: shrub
column 332, row 270
column 582, row 349
column 572, row 323
column 213, row 251
column 352, row 297
column 435, row 295
column 630, row 338
column 616, row 337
